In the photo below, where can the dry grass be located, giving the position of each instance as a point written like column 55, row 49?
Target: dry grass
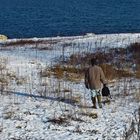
column 3, row 80
column 59, row 120
column 20, row 80
column 113, row 73
column 84, row 60
column 73, row 74
column 134, row 49
column 137, row 96
column 69, row 73
column 23, row 42
column 7, row 76
column 115, row 62
column 66, row 90
column 58, row 71
column 20, row 42
column 8, row 115
column 91, row 115
column 65, row 119
column 46, row 72
column 109, row 71
column 138, row 73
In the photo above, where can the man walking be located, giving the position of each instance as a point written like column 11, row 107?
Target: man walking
column 94, row 78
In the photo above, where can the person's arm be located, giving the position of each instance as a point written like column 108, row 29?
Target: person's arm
column 103, row 79
column 87, row 78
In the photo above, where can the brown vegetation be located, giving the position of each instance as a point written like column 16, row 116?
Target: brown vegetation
column 134, row 49
column 23, row 42
column 59, row 120
column 114, row 62
column 70, row 73
column 91, row 115
column 113, row 73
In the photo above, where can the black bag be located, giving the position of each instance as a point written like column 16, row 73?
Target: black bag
column 106, row 91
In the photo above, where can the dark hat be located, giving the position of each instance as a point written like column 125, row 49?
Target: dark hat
column 93, row 61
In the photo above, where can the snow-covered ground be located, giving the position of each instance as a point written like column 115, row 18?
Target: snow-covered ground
column 24, row 114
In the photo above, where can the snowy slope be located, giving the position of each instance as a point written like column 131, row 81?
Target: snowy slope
column 24, row 114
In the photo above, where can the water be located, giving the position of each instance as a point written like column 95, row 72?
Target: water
column 44, row 18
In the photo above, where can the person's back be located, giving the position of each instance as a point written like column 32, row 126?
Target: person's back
column 96, row 77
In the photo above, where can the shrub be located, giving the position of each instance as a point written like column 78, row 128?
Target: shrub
column 113, row 73
column 69, row 73
column 135, row 50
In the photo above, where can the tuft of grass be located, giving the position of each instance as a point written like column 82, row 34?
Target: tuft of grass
column 66, row 90
column 59, row 120
column 69, row 73
column 8, row 115
column 113, row 73
column 23, row 42
column 3, row 81
column 46, row 73
column 134, row 49
column 91, row 115
column 58, row 71
column 109, row 71
column 137, row 74
column 137, row 96
column 20, row 80
column 124, row 73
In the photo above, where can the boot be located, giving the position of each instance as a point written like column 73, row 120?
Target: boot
column 108, row 101
column 99, row 101
column 94, row 102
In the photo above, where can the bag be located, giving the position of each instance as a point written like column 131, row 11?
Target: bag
column 106, row 91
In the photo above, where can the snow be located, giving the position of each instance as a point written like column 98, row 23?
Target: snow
column 29, row 120
column 24, row 114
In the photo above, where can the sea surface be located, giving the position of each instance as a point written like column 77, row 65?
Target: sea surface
column 47, row 18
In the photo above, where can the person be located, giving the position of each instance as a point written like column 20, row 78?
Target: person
column 94, row 78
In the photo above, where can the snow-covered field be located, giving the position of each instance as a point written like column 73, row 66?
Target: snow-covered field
column 39, row 109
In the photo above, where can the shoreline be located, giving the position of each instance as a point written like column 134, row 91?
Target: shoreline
column 87, row 35
column 90, row 39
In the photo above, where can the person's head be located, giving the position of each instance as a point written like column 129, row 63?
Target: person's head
column 93, row 61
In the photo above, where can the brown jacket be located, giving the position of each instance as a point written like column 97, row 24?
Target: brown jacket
column 94, row 77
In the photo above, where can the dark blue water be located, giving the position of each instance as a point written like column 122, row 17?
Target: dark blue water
column 43, row 18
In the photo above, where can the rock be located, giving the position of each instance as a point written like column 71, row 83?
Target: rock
column 8, row 115
column 19, row 124
column 1, row 129
column 3, row 37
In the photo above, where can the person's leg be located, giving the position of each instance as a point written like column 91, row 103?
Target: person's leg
column 108, row 100
column 93, row 98
column 94, row 101
column 99, row 101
